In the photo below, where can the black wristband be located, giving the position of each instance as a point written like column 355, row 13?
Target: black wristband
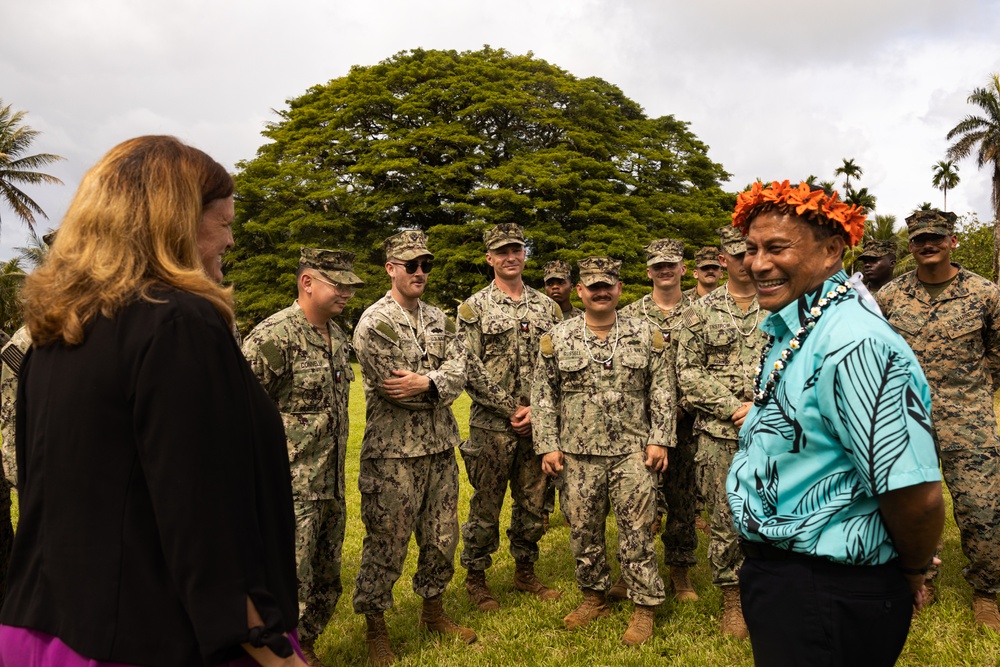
column 913, row 571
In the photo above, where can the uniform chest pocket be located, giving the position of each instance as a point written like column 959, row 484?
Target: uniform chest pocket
column 437, row 347
column 634, row 370
column 967, row 335
column 498, row 337
column 309, row 380
column 573, row 369
column 721, row 348
column 907, row 324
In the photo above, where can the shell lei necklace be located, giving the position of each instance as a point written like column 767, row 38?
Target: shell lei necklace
column 420, row 325
column 614, row 347
column 760, row 397
column 520, row 319
column 659, row 325
column 756, row 319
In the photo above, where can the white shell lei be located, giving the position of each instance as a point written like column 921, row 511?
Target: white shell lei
column 761, row 396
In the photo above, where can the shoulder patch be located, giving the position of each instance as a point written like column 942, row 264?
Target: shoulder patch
column 467, row 313
column 269, row 350
column 449, row 325
column 386, row 331
column 691, row 318
column 12, row 356
column 545, row 345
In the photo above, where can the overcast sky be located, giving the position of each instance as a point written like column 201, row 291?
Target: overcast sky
column 776, row 89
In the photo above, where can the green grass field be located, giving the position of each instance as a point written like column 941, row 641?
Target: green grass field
column 528, row 632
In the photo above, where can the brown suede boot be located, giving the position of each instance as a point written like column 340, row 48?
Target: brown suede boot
column 984, row 606
column 733, row 622
column 479, row 592
column 525, row 580
column 618, row 592
column 433, row 618
column 640, row 626
column 377, row 637
column 681, row 583
column 593, row 606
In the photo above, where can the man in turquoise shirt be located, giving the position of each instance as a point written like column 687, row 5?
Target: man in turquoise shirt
column 835, row 489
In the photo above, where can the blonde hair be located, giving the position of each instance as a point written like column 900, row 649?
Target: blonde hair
column 132, row 226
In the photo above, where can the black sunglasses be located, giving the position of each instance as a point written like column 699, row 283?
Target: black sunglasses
column 411, row 266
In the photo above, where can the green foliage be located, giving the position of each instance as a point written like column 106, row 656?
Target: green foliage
column 11, row 279
column 452, row 143
column 17, row 168
column 848, row 170
column 945, row 177
column 975, row 246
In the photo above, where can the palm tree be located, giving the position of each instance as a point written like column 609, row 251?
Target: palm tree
column 34, row 253
column 983, row 132
column 11, row 278
column 945, row 178
column 18, row 168
column 848, row 170
column 861, row 197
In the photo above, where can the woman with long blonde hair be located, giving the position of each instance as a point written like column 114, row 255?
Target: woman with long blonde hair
column 156, row 523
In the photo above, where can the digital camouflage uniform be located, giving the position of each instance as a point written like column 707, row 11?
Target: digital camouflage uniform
column 602, row 416
column 502, row 337
column 876, row 250
column 11, row 354
column 956, row 338
column 678, row 485
column 310, row 382
column 717, row 355
column 408, row 478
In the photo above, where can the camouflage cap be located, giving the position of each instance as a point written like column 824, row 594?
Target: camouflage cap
column 337, row 266
column 406, row 245
column 878, row 249
column 503, row 234
column 599, row 270
column 731, row 240
column 557, row 269
column 932, row 221
column 707, row 256
column 49, row 237
column 664, row 250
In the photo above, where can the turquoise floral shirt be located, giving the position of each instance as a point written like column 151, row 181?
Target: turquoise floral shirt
column 848, row 419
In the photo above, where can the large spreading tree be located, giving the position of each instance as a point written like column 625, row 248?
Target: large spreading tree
column 452, row 143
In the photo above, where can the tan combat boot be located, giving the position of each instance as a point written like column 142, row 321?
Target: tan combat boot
column 618, row 592
column 640, row 626
column 377, row 637
column 525, row 580
column 433, row 618
column 733, row 622
column 701, row 524
column 681, row 583
column 593, row 606
column 984, row 606
column 479, row 592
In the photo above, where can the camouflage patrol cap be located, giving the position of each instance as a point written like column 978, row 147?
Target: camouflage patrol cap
column 879, row 249
column 49, row 237
column 406, row 245
column 732, row 240
column 932, row 221
column 557, row 269
column 337, row 266
column 595, row 270
column 664, row 250
column 503, row 234
column 707, row 256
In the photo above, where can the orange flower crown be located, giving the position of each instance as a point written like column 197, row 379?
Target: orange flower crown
column 801, row 200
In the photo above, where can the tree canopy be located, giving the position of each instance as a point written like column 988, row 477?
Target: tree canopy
column 16, row 168
column 452, row 143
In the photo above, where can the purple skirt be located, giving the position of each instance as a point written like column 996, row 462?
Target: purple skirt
column 22, row 647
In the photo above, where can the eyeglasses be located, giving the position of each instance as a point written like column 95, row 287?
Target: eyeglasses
column 346, row 290
column 928, row 239
column 412, row 265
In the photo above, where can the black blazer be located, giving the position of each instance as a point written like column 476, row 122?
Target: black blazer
column 154, row 491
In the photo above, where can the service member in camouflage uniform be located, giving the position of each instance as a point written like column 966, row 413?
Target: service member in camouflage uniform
column 717, row 356
column 951, row 319
column 603, row 416
column 502, row 324
column 302, row 358
column 413, row 363
column 664, row 309
column 11, row 353
column 558, row 279
column 878, row 259
column 707, row 271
